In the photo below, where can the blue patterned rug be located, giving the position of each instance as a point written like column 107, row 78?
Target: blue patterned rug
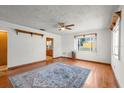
column 55, row 75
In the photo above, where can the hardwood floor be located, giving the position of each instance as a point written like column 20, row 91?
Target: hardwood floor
column 101, row 75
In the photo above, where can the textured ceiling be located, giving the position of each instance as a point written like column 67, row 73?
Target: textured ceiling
column 47, row 16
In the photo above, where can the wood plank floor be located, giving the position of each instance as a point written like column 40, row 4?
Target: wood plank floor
column 101, row 75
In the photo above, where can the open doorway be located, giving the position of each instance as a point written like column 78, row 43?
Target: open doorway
column 49, row 48
column 3, row 50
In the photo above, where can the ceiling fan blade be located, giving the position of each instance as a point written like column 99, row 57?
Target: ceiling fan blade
column 69, row 25
column 68, row 28
column 42, row 29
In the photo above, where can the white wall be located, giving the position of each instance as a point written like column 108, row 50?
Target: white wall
column 67, row 45
column 118, row 65
column 103, row 53
column 23, row 48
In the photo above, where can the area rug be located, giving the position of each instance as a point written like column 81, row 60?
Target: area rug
column 55, row 75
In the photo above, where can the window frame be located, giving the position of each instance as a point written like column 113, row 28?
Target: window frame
column 77, row 37
column 118, row 25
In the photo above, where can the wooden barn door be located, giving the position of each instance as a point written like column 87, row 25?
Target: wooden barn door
column 3, row 48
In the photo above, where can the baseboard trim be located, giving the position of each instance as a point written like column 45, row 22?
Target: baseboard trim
column 99, row 62
column 57, row 57
column 23, row 65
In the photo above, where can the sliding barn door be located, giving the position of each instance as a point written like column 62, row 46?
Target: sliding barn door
column 3, row 48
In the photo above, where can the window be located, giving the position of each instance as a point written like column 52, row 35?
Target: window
column 86, row 42
column 116, row 40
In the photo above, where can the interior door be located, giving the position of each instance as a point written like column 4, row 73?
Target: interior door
column 49, row 47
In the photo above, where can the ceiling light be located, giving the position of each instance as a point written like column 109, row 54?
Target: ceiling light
column 62, row 28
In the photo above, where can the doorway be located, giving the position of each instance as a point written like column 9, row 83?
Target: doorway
column 3, row 50
column 49, row 48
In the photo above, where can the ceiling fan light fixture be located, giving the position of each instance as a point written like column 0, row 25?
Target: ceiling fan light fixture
column 62, row 28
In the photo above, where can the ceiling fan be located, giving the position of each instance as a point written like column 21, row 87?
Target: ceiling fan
column 63, row 27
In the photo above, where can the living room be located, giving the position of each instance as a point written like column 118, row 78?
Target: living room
column 34, row 37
